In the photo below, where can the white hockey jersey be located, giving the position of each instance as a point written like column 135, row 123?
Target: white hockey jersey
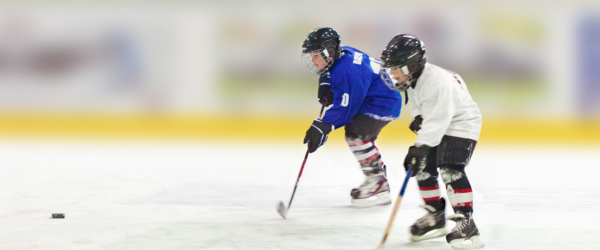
column 442, row 99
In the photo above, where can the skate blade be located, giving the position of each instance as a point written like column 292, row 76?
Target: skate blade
column 474, row 243
column 281, row 209
column 371, row 201
column 431, row 235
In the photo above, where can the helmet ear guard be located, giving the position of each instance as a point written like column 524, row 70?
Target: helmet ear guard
column 325, row 53
column 405, row 70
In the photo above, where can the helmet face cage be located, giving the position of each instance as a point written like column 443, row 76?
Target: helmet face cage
column 317, row 61
column 393, row 84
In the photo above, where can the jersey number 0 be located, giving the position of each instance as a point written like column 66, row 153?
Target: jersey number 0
column 345, row 100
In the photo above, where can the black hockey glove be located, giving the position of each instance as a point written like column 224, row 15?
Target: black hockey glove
column 416, row 158
column 325, row 92
column 317, row 135
column 415, row 125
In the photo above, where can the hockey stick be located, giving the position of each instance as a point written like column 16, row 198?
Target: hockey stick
column 281, row 209
column 396, row 206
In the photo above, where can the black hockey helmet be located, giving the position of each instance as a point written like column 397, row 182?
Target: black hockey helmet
column 326, row 41
column 405, row 53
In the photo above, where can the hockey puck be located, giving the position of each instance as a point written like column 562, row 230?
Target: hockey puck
column 58, row 216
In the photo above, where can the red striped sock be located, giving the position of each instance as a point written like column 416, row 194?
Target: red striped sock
column 461, row 199
column 430, row 193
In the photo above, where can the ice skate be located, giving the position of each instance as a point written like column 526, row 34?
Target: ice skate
column 374, row 191
column 431, row 225
column 465, row 234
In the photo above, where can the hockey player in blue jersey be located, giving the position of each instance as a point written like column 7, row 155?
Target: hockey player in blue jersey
column 356, row 98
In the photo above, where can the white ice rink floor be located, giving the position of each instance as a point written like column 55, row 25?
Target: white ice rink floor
column 184, row 195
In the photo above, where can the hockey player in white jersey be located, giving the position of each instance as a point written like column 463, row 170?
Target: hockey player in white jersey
column 447, row 122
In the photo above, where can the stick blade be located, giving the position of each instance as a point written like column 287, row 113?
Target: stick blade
column 281, row 209
column 380, row 247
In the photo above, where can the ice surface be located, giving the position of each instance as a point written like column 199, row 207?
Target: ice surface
column 184, row 195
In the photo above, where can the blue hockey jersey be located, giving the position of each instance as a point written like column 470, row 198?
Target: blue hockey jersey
column 357, row 87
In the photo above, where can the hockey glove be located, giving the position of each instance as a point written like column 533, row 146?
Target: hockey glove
column 325, row 92
column 415, row 125
column 416, row 158
column 317, row 135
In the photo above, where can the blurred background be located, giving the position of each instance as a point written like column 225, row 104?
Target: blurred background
column 231, row 70
column 177, row 124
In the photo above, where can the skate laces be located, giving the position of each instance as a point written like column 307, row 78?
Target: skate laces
column 427, row 219
column 461, row 222
column 371, row 182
